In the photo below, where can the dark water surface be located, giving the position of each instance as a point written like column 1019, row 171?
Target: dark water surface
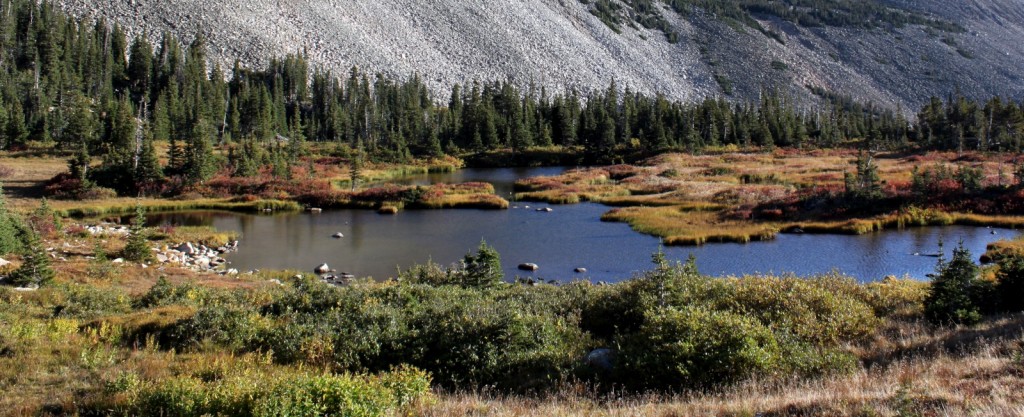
column 559, row 241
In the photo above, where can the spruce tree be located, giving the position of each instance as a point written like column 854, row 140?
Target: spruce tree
column 10, row 228
column 148, row 171
column 951, row 299
column 35, row 269
column 483, row 269
column 137, row 248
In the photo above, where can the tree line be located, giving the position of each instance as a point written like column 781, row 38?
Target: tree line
column 88, row 89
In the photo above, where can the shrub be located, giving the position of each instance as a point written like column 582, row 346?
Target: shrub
column 697, row 347
column 825, row 310
column 898, row 298
column 88, row 301
column 1010, row 284
column 247, row 394
column 231, row 327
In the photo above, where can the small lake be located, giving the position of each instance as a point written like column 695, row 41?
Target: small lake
column 558, row 241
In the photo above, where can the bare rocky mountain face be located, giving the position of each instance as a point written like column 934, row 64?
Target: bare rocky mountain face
column 560, row 44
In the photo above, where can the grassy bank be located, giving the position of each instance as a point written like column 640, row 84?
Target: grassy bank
column 125, row 206
column 451, row 342
column 688, row 225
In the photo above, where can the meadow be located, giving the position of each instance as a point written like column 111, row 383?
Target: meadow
column 739, row 197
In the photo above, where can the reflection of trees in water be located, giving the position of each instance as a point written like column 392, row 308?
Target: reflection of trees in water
column 358, row 228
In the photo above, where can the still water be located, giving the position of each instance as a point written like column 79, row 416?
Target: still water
column 558, row 241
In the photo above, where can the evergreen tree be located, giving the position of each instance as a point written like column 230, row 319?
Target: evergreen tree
column 952, row 297
column 137, row 248
column 483, row 269
column 355, row 167
column 17, row 132
column 78, row 165
column 198, row 163
column 10, row 228
column 35, row 269
column 148, row 172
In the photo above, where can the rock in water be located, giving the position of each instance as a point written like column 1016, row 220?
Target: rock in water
column 580, row 270
column 322, row 269
column 529, row 266
column 338, row 235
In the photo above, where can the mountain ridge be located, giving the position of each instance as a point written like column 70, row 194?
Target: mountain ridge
column 562, row 44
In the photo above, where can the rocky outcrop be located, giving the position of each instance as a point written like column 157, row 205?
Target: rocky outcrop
column 198, row 257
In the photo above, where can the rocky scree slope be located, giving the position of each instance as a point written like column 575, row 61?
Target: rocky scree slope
column 560, row 43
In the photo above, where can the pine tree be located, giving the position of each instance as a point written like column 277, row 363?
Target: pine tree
column 483, row 269
column 356, row 165
column 148, row 171
column 35, row 269
column 198, row 164
column 137, row 248
column 951, row 299
column 17, row 132
column 78, row 165
column 10, row 228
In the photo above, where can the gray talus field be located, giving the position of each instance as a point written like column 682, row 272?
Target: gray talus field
column 559, row 43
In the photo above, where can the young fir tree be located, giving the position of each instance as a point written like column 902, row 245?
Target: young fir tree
column 148, row 171
column 951, row 299
column 482, row 269
column 137, row 249
column 10, row 229
column 355, row 168
column 35, row 269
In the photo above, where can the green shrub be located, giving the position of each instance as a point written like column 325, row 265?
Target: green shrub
column 247, row 394
column 897, row 298
column 228, row 326
column 697, row 347
column 1010, row 284
column 87, row 301
column 824, row 310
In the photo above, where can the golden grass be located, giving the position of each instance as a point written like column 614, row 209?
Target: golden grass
column 682, row 225
column 481, row 201
column 122, row 206
column 657, row 198
column 999, row 250
column 206, row 235
column 903, row 220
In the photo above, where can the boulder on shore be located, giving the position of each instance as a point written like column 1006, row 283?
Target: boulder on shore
column 186, row 248
column 322, row 269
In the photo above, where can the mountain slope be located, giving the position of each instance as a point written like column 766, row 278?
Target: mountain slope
column 561, row 43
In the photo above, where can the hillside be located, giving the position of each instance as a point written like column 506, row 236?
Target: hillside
column 561, row 43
